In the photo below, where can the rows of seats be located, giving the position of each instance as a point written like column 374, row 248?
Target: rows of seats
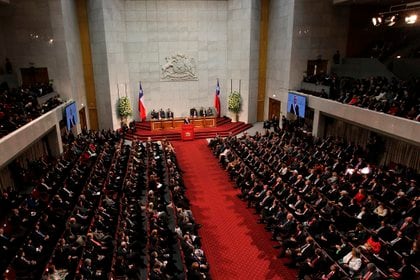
column 34, row 228
column 391, row 96
column 166, row 260
column 302, row 186
column 20, row 106
column 109, row 210
column 129, row 256
column 186, row 228
column 26, row 179
column 21, row 220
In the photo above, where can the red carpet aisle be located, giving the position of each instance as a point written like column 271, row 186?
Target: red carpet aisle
column 236, row 246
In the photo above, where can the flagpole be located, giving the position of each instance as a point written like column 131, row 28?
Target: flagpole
column 139, row 101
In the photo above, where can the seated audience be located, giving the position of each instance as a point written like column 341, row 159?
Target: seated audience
column 312, row 190
column 20, row 106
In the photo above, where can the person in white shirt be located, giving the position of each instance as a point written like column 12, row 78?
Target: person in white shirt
column 352, row 261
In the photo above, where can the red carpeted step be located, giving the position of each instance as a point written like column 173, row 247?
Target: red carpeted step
column 143, row 125
column 222, row 121
column 235, row 245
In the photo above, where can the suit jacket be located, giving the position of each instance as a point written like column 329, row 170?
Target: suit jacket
column 162, row 114
column 308, row 251
column 294, row 109
column 374, row 276
column 288, row 227
column 193, row 112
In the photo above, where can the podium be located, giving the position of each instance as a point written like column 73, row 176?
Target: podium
column 187, row 132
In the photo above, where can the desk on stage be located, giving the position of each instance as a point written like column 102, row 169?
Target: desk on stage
column 177, row 123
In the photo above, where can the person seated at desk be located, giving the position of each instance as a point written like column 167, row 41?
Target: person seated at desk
column 154, row 115
column 193, row 113
column 203, row 112
column 209, row 112
column 169, row 114
column 187, row 120
column 162, row 114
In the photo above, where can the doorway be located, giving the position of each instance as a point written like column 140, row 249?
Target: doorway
column 34, row 76
column 82, row 118
column 274, row 108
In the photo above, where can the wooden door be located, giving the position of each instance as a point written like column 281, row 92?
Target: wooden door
column 82, row 118
column 274, row 108
column 34, row 76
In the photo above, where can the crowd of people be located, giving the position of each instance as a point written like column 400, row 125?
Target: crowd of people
column 333, row 214
column 169, row 114
column 186, row 228
column 391, row 96
column 104, row 209
column 33, row 229
column 161, row 114
column 20, row 106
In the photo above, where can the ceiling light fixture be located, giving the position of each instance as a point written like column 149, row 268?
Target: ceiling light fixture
column 390, row 21
column 376, row 21
column 411, row 19
column 408, row 11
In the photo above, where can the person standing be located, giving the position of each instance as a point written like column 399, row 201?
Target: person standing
column 294, row 107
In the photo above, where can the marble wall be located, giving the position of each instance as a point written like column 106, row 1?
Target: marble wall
column 243, row 52
column 73, row 51
column 159, row 29
column 100, row 63
column 280, row 35
column 108, row 36
column 319, row 29
column 300, row 31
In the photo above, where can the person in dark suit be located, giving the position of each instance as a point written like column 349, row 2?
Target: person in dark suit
column 162, row 114
column 193, row 113
column 154, row 114
column 72, row 118
column 333, row 274
column 406, row 271
column 86, row 269
column 370, row 273
column 169, row 114
column 294, row 107
column 285, row 229
column 202, row 112
column 300, row 254
column 408, row 228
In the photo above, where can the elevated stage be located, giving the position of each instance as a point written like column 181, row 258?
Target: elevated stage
column 224, row 127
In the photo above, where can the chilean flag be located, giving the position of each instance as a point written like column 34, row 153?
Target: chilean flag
column 217, row 99
column 142, row 108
